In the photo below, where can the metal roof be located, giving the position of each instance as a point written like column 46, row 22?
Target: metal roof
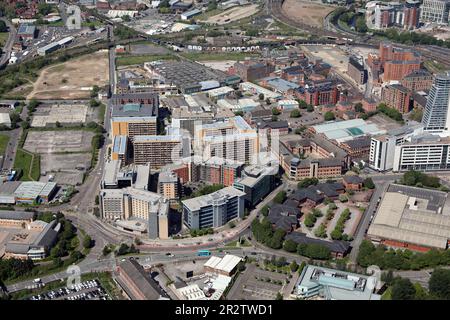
column 413, row 215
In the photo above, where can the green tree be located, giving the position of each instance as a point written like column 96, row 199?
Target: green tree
column 265, row 210
column 106, row 250
column 304, row 183
column 94, row 103
column 293, row 266
column 289, row 246
column 403, row 289
column 87, row 242
column 310, row 108
column 302, row 104
column 368, row 183
column 275, row 111
column 279, row 296
column 439, row 283
column 261, row 96
column 360, row 25
column 212, row 5
column 328, row 116
column 280, row 197
column 44, row 8
column 3, row 26
column 295, row 113
column 387, row 277
column 359, row 107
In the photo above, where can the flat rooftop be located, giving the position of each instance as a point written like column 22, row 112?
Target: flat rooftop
column 336, row 284
column 134, row 110
column 413, row 215
column 224, row 194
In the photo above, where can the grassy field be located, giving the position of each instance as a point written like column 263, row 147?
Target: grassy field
column 29, row 163
column 130, row 60
column 3, row 38
column 217, row 56
column 4, row 139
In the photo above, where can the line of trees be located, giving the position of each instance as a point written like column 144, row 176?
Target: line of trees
column 390, row 112
column 400, row 259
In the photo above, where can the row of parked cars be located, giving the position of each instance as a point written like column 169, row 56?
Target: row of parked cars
column 90, row 289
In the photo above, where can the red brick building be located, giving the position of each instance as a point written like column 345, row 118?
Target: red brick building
column 253, row 70
column 398, row 62
column 418, row 80
column 369, row 105
column 318, row 93
column 354, row 183
column 398, row 97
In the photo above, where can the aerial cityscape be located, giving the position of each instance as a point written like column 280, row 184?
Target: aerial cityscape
column 224, row 150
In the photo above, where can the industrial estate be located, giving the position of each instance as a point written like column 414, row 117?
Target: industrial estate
column 225, row 150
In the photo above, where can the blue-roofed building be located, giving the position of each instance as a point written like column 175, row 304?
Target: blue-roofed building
column 280, row 85
column 26, row 31
column 190, row 14
column 329, row 284
column 120, row 149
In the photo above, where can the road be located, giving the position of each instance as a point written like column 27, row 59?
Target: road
column 146, row 260
column 9, row 43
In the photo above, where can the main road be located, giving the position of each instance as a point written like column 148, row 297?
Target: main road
column 9, row 43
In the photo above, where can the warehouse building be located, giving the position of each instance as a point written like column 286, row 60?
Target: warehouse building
column 35, row 192
column 16, row 219
column 136, row 283
column 412, row 218
column 190, row 77
column 225, row 266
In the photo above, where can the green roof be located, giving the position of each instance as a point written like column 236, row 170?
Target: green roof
column 131, row 107
column 355, row 131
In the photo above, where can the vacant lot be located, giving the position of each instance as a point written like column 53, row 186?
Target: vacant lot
column 72, row 79
column 66, row 154
column 233, row 14
column 306, row 12
column 49, row 115
column 59, row 141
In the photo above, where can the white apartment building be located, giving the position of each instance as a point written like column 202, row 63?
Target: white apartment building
column 425, row 152
column 435, row 11
column 382, row 147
